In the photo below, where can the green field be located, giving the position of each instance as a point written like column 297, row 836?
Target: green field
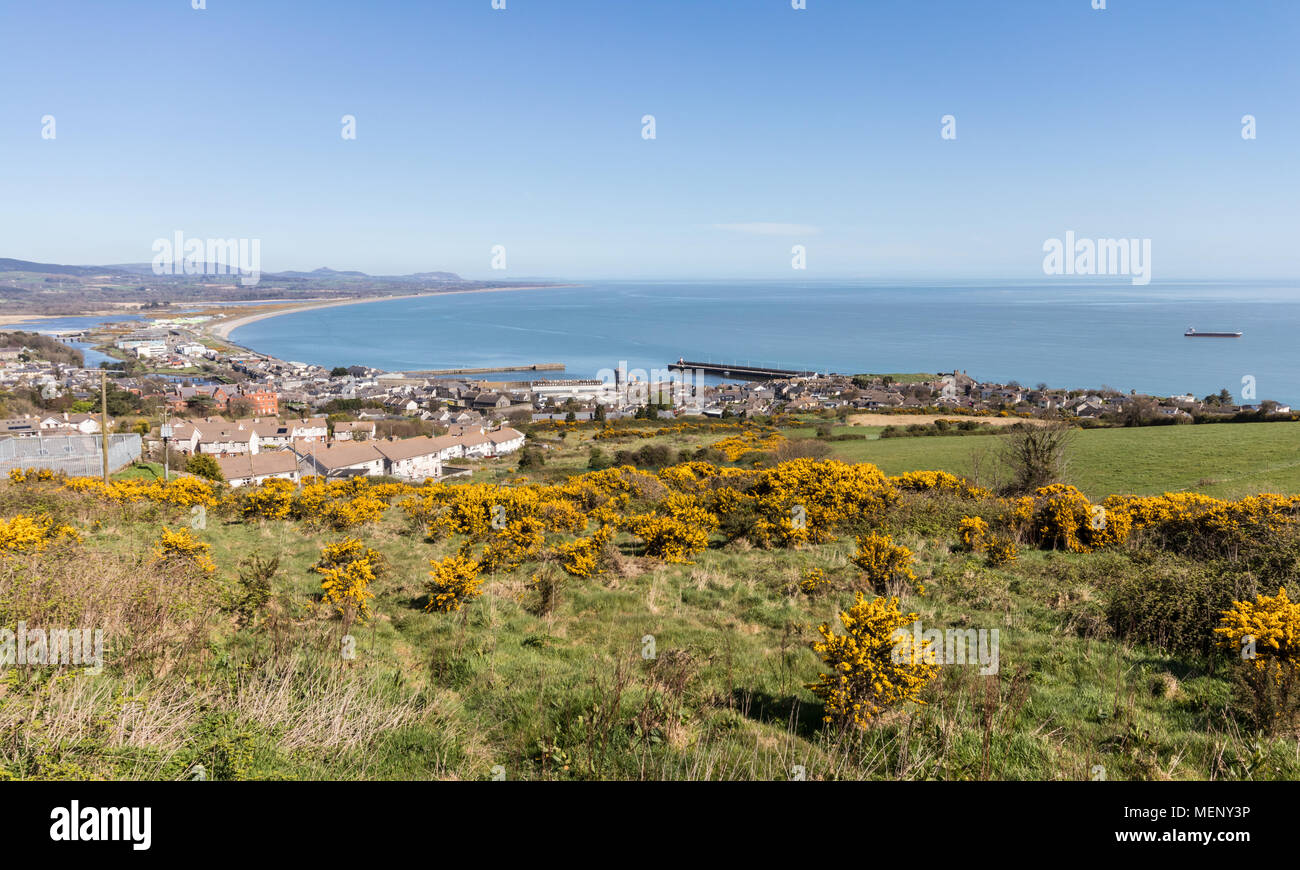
column 1226, row 460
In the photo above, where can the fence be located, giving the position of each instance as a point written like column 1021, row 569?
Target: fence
column 75, row 455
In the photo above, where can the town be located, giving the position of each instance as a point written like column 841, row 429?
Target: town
column 186, row 392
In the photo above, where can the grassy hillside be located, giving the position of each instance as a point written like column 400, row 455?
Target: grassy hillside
column 648, row 668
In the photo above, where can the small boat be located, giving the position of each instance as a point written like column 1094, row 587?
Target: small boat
column 1192, row 333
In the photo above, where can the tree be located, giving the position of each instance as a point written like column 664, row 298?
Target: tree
column 203, row 465
column 599, row 414
column 339, row 372
column 1225, row 397
column 570, row 417
column 531, row 457
column 1035, row 455
column 1138, row 410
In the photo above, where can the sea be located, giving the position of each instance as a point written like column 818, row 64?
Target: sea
column 1073, row 334
column 1068, row 334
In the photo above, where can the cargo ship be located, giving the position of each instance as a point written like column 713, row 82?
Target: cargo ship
column 1192, row 333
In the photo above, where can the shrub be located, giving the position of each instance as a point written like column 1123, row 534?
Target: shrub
column 254, row 588
column 974, row 532
column 886, row 565
column 801, row 448
column 273, row 500
column 668, row 538
column 875, row 664
column 359, row 511
column 1168, row 603
column 586, row 556
column 1000, row 551
column 205, row 466
column 452, row 582
column 182, row 549
column 1266, row 632
column 518, row 542
column 24, row 534
column 813, row 581
column 347, row 569
column 1035, row 456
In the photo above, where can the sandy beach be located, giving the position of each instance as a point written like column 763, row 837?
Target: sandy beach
column 35, row 319
column 222, row 328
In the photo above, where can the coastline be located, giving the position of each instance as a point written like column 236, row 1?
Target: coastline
column 222, row 328
column 34, row 320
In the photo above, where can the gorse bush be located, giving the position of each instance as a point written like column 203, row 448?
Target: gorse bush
column 23, row 475
column 974, row 533
column 668, row 538
column 589, row 556
column 1000, row 551
column 182, row 550
column 813, row 581
column 520, row 541
column 886, row 566
column 24, row 534
column 347, row 569
column 1268, row 627
column 1265, row 633
column 874, row 665
column 452, row 582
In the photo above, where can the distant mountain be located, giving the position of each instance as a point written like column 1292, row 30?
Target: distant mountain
column 322, row 272
column 145, row 270
column 8, row 265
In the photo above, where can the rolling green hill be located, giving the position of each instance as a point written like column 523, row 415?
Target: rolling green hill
column 1226, row 460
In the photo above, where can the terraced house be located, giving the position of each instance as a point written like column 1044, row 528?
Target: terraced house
column 254, row 468
column 411, row 458
column 339, row 460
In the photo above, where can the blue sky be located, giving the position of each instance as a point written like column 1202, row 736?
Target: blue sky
column 478, row 127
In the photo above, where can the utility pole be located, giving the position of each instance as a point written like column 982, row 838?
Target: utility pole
column 103, row 418
column 165, row 430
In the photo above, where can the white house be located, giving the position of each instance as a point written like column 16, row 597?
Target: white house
column 313, row 429
column 449, row 447
column 505, row 440
column 270, row 433
column 339, row 460
column 251, row 469
column 225, row 439
column 86, row 423
column 358, row 430
column 474, row 444
column 411, row 458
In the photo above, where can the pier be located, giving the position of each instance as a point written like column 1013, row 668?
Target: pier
column 741, row 372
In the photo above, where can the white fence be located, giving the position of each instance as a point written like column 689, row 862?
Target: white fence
column 75, row 455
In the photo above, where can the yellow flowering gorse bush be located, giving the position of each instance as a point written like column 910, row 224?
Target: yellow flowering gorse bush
column 874, row 665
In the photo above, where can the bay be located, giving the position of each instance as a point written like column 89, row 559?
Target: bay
column 1065, row 333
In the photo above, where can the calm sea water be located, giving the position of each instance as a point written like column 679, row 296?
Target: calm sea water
column 1064, row 334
